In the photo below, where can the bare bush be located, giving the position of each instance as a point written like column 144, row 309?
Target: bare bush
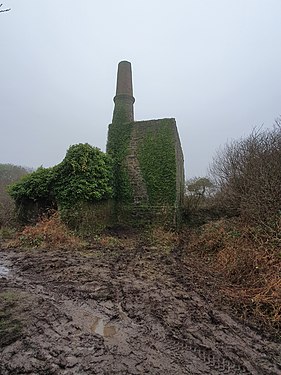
column 248, row 175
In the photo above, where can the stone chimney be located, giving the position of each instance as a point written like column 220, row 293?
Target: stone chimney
column 124, row 100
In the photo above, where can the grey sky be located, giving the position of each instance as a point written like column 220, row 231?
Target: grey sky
column 214, row 65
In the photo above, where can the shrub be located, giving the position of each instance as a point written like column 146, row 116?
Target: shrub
column 248, row 174
column 85, row 175
column 35, row 186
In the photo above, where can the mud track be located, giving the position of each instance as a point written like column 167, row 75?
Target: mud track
column 119, row 310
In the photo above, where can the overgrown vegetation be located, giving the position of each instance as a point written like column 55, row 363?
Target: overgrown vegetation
column 247, row 173
column 247, row 262
column 49, row 232
column 198, row 190
column 244, row 244
column 158, row 150
column 119, row 134
column 37, row 186
column 164, row 241
column 85, row 175
column 87, row 219
column 235, row 213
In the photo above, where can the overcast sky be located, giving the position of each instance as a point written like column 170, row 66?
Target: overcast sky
column 214, row 65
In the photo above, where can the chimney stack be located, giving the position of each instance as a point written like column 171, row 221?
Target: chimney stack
column 124, row 100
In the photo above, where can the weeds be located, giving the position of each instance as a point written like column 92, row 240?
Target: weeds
column 248, row 262
column 48, row 232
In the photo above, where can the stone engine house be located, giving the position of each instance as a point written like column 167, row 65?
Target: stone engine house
column 148, row 160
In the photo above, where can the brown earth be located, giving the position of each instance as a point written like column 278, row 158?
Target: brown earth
column 121, row 308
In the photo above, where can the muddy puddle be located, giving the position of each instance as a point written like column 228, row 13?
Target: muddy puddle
column 4, row 271
column 102, row 328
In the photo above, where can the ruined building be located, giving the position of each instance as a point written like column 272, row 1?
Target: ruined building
column 148, row 160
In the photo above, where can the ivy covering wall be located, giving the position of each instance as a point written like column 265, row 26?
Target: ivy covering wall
column 157, row 159
column 145, row 153
column 118, row 140
column 82, row 186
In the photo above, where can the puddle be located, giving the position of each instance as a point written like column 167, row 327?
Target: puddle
column 102, row 328
column 4, row 271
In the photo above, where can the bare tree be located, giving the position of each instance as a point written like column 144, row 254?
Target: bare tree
column 200, row 186
column 199, row 192
column 4, row 10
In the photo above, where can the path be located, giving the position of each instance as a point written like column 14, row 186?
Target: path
column 119, row 310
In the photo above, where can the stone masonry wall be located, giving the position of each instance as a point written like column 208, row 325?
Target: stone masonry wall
column 139, row 190
column 149, row 171
column 155, row 168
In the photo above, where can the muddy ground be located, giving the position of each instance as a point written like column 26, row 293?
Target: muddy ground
column 115, row 309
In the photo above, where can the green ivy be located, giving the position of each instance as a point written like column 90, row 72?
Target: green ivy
column 156, row 155
column 119, row 134
column 85, row 175
column 35, row 186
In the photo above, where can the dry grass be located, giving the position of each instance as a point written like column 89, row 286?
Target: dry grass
column 112, row 242
column 248, row 261
column 49, row 232
column 163, row 240
column 209, row 239
column 155, row 239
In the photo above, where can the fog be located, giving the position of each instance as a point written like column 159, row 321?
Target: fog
column 214, row 65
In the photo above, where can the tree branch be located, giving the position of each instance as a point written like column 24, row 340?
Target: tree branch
column 4, row 10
